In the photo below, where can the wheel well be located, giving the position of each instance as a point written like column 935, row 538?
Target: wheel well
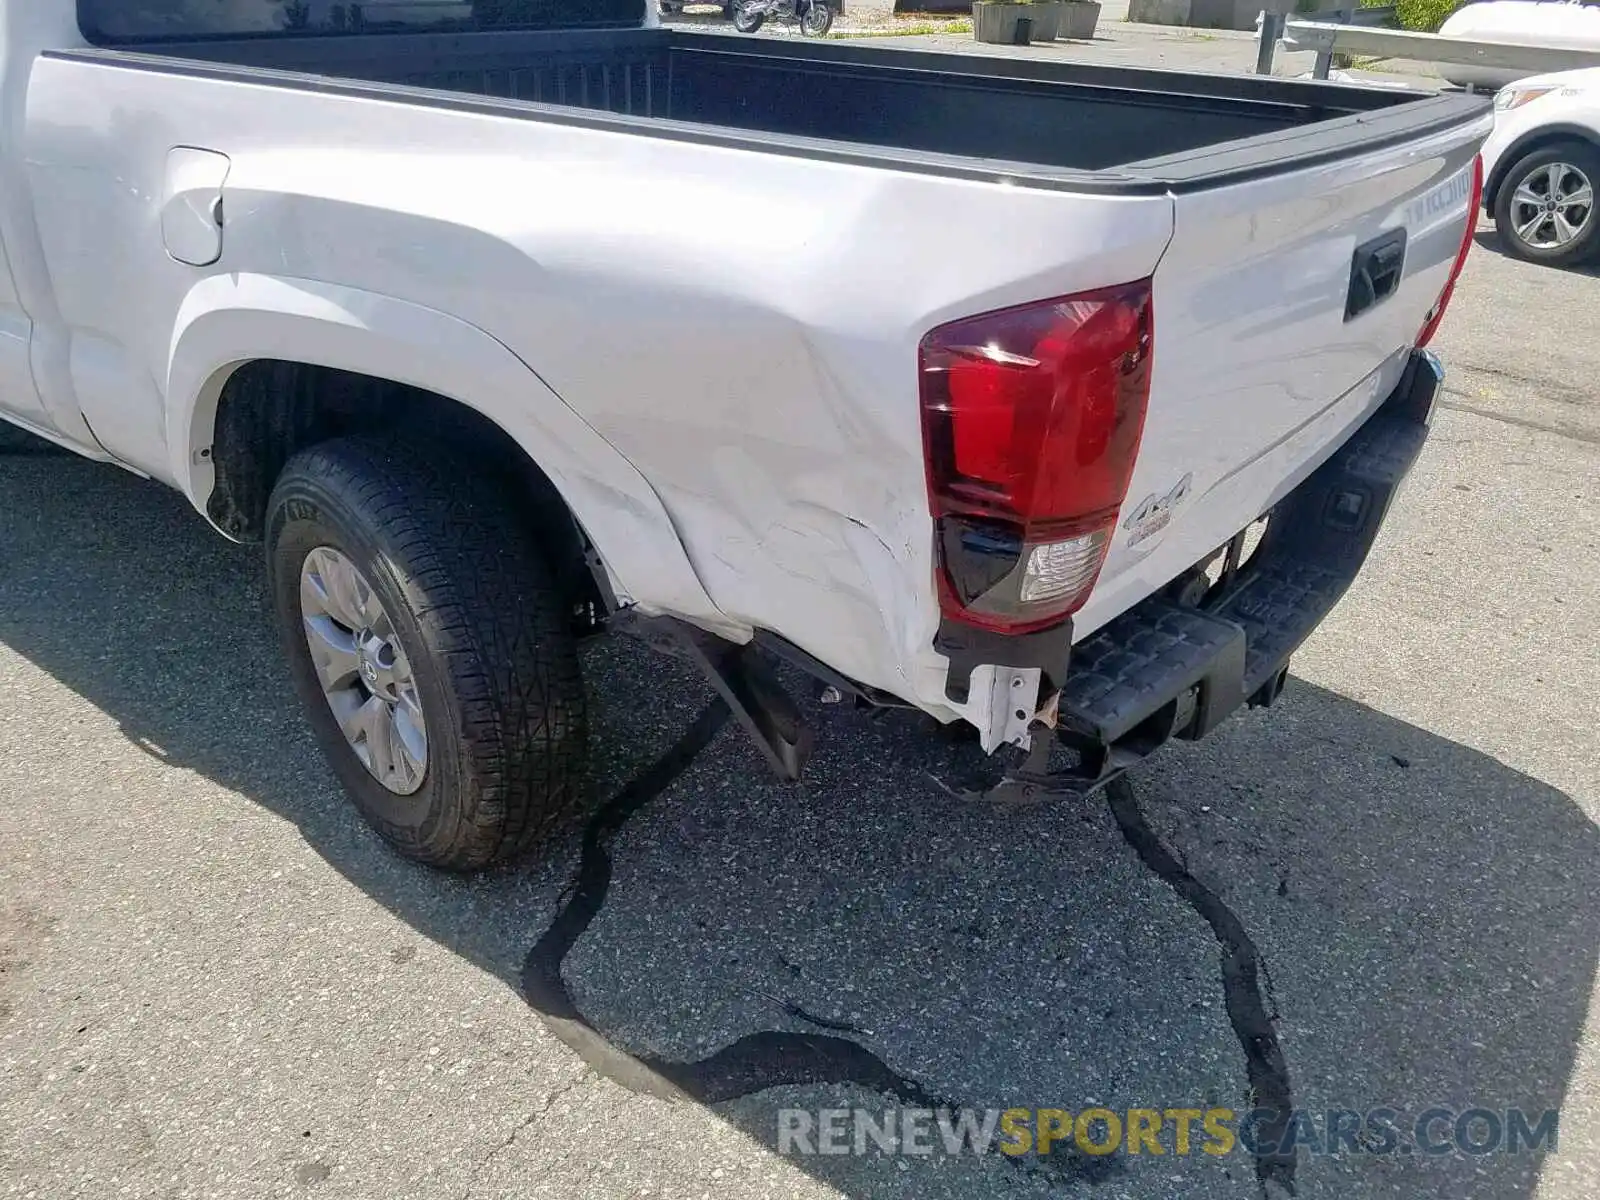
column 1517, row 151
column 271, row 409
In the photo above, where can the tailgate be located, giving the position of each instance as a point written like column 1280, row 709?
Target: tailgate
column 1259, row 372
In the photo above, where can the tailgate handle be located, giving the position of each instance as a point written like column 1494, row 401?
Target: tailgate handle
column 1375, row 271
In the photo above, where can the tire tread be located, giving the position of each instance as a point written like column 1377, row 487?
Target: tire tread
column 477, row 583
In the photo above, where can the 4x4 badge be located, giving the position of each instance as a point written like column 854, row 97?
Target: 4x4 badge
column 1154, row 513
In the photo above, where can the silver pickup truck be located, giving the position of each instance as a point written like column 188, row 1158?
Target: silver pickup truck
column 959, row 383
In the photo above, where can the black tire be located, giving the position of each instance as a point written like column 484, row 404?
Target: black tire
column 483, row 626
column 746, row 21
column 1582, row 248
column 818, row 20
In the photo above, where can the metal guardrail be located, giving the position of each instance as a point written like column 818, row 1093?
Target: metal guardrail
column 1273, row 28
column 1326, row 36
column 1360, row 31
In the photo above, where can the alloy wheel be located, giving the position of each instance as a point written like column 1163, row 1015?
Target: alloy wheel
column 365, row 675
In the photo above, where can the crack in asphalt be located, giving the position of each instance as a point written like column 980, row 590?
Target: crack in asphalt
column 517, row 1130
column 753, row 1063
column 800, row 1013
column 1243, row 973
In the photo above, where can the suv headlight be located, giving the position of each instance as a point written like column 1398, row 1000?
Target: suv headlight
column 1508, row 98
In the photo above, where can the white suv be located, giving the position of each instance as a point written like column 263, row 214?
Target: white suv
column 1542, row 166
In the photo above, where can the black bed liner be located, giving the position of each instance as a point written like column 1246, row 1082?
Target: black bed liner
column 1052, row 124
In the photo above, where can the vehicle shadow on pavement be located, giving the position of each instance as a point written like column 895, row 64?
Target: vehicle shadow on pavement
column 1487, row 240
column 1422, row 913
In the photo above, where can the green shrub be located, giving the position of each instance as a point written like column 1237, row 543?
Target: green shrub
column 1424, row 15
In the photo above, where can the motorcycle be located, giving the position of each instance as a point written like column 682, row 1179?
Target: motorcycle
column 815, row 16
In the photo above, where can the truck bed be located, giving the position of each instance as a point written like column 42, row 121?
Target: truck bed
column 1133, row 127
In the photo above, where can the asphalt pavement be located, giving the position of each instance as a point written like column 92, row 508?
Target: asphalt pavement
column 214, row 981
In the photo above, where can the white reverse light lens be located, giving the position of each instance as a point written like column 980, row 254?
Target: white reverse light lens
column 1058, row 569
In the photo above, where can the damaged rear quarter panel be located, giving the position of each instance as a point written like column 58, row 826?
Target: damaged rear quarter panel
column 772, row 398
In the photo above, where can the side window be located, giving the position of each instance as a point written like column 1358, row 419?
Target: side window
column 131, row 21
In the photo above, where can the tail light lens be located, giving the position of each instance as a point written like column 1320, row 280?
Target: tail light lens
column 1031, row 422
column 1474, row 201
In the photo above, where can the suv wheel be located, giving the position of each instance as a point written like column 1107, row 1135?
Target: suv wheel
column 1545, row 210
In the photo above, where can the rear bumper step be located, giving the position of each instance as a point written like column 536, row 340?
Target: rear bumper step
column 1165, row 670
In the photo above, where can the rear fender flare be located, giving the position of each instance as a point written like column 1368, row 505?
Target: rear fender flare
column 228, row 320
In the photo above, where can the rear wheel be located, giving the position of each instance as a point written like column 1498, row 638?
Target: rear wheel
column 818, row 19
column 1545, row 211
column 431, row 648
column 746, row 19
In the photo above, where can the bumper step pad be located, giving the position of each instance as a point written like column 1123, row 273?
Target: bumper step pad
column 1164, row 670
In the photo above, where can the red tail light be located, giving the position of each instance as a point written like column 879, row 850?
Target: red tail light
column 1031, row 421
column 1474, row 202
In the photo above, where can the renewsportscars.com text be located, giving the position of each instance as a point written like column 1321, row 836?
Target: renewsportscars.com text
column 1179, row 1131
